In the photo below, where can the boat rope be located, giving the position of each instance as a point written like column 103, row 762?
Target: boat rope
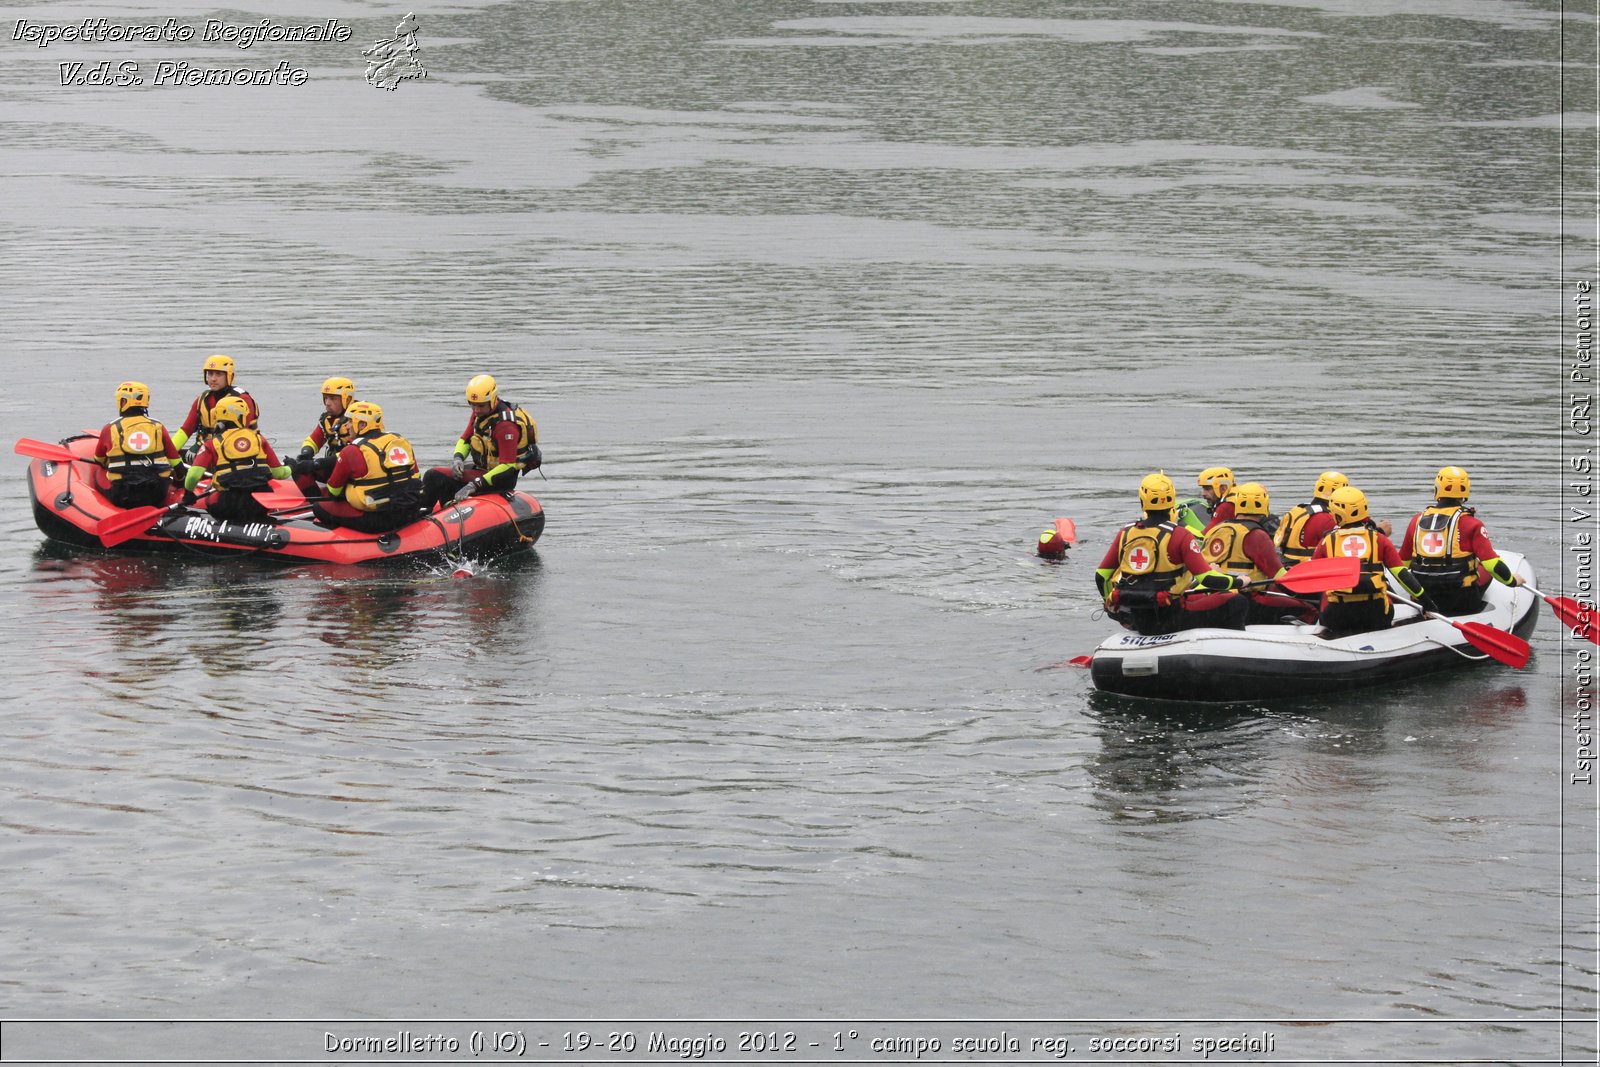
column 1462, row 652
column 460, row 540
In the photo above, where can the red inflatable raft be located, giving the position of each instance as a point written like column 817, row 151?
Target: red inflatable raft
column 69, row 506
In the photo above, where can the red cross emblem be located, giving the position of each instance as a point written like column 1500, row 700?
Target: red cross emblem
column 398, row 455
column 239, row 444
column 1353, row 545
column 1431, row 543
column 1139, row 559
column 138, row 440
column 1215, row 548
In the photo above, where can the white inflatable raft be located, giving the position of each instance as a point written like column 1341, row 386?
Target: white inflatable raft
column 1260, row 662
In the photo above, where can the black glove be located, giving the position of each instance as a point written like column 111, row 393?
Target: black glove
column 306, row 452
column 189, row 497
column 534, row 458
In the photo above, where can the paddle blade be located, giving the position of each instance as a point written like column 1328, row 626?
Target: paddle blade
column 1575, row 616
column 1322, row 575
column 42, row 450
column 1508, row 648
column 115, row 529
column 1068, row 530
column 274, row 497
column 1081, row 661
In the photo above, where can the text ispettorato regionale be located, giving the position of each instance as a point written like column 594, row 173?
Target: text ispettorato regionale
column 242, row 34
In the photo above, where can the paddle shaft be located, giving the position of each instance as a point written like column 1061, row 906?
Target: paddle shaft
column 1311, row 577
column 1508, row 648
column 1573, row 614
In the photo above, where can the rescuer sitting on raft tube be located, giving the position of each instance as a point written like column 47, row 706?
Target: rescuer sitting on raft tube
column 1215, row 483
column 1366, row 606
column 502, row 441
column 374, row 482
column 1196, row 512
column 1449, row 550
column 328, row 436
column 1242, row 547
column 1304, row 525
column 1154, row 579
column 200, row 425
column 240, row 462
column 136, row 452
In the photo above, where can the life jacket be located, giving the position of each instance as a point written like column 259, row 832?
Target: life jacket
column 241, row 461
column 1359, row 541
column 1438, row 558
column 136, row 452
column 1224, row 548
column 486, row 453
column 1289, row 530
column 335, row 432
column 1142, row 563
column 391, row 480
column 206, row 406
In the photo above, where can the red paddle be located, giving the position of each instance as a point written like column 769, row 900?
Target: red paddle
column 1508, row 648
column 43, row 450
column 115, row 529
column 1573, row 614
column 1321, row 575
column 1068, row 530
column 1312, row 576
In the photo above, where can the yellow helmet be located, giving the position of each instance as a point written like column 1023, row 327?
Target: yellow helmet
column 482, row 390
column 1250, row 499
column 1218, row 479
column 221, row 363
column 1452, row 483
column 1348, row 505
column 340, row 387
column 231, row 411
column 1327, row 482
column 132, row 395
column 1156, row 492
column 364, row 417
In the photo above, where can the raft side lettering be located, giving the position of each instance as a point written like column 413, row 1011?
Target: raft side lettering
column 1130, row 641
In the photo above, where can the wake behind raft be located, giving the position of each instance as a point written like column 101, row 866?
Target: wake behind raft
column 69, row 507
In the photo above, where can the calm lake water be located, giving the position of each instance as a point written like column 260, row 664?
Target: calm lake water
column 825, row 311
